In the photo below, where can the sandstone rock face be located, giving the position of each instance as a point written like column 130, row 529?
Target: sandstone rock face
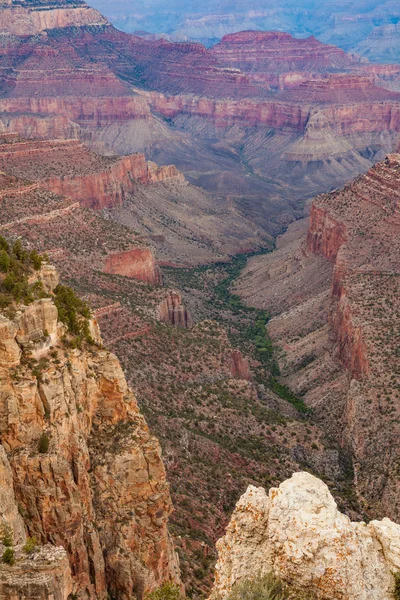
column 138, row 263
column 240, row 367
column 108, row 188
column 297, row 532
column 99, row 491
column 30, row 18
column 172, row 310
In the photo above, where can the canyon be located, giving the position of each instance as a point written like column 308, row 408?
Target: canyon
column 149, row 172
column 248, row 121
column 332, row 287
column 199, row 384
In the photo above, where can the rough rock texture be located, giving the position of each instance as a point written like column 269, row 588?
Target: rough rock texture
column 138, row 263
column 109, row 188
column 172, row 310
column 69, row 168
column 100, row 490
column 297, row 532
column 29, row 18
column 334, row 291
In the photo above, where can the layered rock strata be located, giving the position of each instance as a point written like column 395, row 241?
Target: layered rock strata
column 99, row 490
column 335, row 297
column 297, row 532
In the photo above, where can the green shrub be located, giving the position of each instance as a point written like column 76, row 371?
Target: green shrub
column 396, row 594
column 30, row 545
column 168, row 591
column 265, row 587
column 74, row 312
column 8, row 556
column 7, row 536
column 44, row 443
column 17, row 263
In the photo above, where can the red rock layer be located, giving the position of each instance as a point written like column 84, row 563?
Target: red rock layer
column 172, row 310
column 240, row 368
column 138, row 263
column 95, row 181
column 259, row 51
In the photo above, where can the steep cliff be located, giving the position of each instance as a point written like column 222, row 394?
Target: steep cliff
column 29, row 18
column 334, row 291
column 297, row 532
column 85, row 471
column 69, row 168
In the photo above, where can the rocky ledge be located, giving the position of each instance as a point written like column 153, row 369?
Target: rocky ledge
column 297, row 532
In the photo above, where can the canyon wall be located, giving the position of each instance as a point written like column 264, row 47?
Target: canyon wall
column 138, row 263
column 108, row 188
column 334, row 293
column 30, row 18
column 98, row 489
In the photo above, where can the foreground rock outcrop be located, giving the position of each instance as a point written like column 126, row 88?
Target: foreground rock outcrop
column 297, row 532
column 79, row 469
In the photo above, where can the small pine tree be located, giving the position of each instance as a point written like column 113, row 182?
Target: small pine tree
column 44, row 443
column 8, row 556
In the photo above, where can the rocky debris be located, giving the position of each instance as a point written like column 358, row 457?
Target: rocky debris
column 79, row 462
column 297, row 532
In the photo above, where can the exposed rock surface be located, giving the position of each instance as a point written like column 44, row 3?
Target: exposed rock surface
column 336, row 301
column 29, row 18
column 172, row 310
column 69, row 168
column 231, row 118
column 297, row 532
column 99, row 490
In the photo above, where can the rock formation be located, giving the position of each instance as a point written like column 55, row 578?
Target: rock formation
column 334, row 291
column 138, row 263
column 283, row 101
column 297, row 532
column 97, row 488
column 30, row 18
column 172, row 310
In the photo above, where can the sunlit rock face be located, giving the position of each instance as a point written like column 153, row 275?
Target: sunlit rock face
column 297, row 532
column 96, row 498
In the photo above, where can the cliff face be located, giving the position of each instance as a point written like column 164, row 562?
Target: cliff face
column 95, row 181
column 30, row 18
column 297, row 532
column 108, row 188
column 99, row 490
column 172, row 310
column 334, row 291
column 138, row 263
